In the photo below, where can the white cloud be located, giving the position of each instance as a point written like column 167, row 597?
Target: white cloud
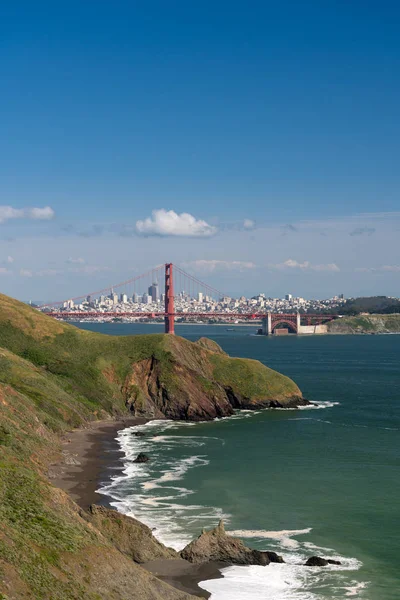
column 209, row 266
column 9, row 259
column 88, row 269
column 8, row 212
column 383, row 269
column 48, row 272
column 25, row 273
column 43, row 214
column 76, row 261
column 249, row 224
column 305, row 266
column 4, row 271
column 169, row 223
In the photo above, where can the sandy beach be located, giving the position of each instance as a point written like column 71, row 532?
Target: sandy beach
column 91, row 456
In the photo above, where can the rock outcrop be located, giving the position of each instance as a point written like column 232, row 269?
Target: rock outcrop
column 198, row 382
column 216, row 545
column 141, row 458
column 318, row 561
column 129, row 536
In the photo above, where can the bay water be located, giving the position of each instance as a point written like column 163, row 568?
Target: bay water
column 315, row 481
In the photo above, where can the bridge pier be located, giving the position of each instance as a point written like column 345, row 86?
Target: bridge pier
column 267, row 325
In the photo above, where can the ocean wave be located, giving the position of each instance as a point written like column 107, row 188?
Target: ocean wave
column 314, row 406
column 284, row 536
column 320, row 405
column 150, row 493
column 287, row 581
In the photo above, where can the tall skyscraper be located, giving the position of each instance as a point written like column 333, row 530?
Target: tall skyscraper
column 154, row 292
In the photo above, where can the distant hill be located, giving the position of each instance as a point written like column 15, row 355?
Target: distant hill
column 366, row 324
column 379, row 305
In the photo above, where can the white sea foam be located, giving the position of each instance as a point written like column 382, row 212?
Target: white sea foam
column 319, row 405
column 355, row 588
column 314, row 406
column 288, row 581
column 284, row 537
column 150, row 493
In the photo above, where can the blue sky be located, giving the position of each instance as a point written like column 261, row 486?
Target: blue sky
column 274, row 125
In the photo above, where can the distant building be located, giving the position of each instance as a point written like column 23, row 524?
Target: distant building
column 288, row 297
column 123, row 298
column 114, row 299
column 154, row 292
column 200, row 297
column 146, row 299
column 135, row 298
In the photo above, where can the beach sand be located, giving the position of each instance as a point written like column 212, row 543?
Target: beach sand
column 91, row 457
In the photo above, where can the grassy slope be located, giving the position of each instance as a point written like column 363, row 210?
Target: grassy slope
column 250, row 378
column 92, row 368
column 366, row 324
column 54, row 377
column 47, row 551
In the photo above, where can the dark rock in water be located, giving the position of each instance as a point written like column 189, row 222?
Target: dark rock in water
column 318, row 561
column 216, row 545
column 139, row 433
column 274, row 557
column 141, row 458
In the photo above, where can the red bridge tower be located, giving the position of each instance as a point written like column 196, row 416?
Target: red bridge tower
column 169, row 318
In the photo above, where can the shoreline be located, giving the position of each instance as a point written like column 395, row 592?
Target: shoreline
column 91, row 456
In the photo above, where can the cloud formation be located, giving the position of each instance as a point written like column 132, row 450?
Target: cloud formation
column 305, row 266
column 41, row 214
column 76, row 261
column 209, row 266
column 382, row 269
column 169, row 223
column 37, row 214
column 88, row 269
column 25, row 273
column 249, row 224
column 363, row 231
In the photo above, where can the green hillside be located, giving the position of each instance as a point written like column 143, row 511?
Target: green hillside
column 54, row 377
column 366, row 324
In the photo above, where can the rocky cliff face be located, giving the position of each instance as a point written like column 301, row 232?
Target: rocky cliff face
column 199, row 381
column 128, row 535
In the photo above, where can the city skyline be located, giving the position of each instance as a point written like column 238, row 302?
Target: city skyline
column 135, row 135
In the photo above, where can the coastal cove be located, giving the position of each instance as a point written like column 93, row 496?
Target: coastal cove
column 331, row 475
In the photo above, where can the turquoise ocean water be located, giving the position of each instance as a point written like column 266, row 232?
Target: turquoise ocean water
column 322, row 481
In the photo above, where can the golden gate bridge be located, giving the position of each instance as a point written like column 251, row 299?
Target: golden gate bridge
column 174, row 278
